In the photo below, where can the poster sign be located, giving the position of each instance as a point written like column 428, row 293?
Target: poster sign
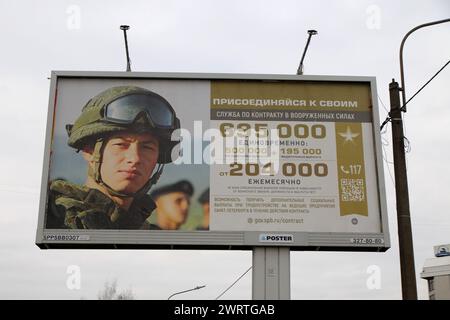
column 301, row 157
column 212, row 161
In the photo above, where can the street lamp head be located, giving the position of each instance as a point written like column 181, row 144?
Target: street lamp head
column 196, row 288
column 124, row 27
column 199, row 287
column 312, row 32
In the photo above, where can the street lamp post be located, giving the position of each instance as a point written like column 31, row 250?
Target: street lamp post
column 407, row 268
column 300, row 67
column 125, row 28
column 402, row 75
column 196, row 288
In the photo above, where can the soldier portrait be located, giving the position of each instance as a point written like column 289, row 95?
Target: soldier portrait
column 124, row 135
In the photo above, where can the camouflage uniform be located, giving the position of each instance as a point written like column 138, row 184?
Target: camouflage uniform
column 71, row 206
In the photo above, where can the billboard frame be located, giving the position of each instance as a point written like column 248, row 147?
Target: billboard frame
column 211, row 240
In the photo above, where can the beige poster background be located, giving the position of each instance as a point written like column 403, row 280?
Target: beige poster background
column 326, row 187
column 351, row 169
column 308, row 91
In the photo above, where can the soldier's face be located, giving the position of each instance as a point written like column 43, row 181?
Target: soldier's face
column 205, row 208
column 174, row 206
column 129, row 160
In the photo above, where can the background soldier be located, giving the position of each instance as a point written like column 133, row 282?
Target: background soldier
column 173, row 202
column 204, row 201
column 122, row 133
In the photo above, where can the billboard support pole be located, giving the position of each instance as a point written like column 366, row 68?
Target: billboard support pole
column 408, row 273
column 271, row 278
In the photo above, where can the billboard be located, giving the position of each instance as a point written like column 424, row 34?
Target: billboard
column 212, row 161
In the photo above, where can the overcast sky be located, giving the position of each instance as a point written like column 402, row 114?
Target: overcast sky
column 357, row 38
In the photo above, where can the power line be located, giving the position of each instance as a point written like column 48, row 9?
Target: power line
column 234, row 283
column 384, row 153
column 389, row 170
column 403, row 108
column 384, row 139
column 382, row 104
column 388, row 119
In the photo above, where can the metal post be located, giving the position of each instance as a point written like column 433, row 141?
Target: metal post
column 408, row 273
column 300, row 67
column 402, row 74
column 271, row 273
column 196, row 288
column 125, row 28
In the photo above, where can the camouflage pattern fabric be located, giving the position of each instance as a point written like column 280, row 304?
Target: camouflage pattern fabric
column 71, row 206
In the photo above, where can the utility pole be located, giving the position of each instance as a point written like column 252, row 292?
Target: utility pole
column 408, row 273
column 125, row 28
column 407, row 268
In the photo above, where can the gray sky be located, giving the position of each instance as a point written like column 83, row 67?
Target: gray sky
column 359, row 38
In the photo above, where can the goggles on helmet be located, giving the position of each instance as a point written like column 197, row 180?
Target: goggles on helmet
column 124, row 110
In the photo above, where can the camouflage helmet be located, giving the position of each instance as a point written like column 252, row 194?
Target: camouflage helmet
column 135, row 109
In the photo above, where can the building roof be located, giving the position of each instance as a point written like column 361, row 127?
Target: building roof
column 436, row 267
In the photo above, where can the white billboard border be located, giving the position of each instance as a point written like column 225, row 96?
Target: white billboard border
column 212, row 240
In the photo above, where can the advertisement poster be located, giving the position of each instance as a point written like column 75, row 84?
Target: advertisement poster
column 214, row 161
column 302, row 157
column 171, row 202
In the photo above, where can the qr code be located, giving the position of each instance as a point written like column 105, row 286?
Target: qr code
column 352, row 190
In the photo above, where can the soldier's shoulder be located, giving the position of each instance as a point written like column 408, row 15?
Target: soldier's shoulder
column 68, row 189
column 74, row 206
column 70, row 195
column 63, row 195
